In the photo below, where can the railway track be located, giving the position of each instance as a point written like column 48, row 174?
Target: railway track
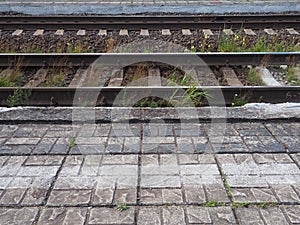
column 104, row 76
column 95, row 22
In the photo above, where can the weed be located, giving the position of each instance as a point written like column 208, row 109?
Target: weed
column 261, row 46
column 214, row 204
column 267, row 204
column 19, row 97
column 4, row 82
column 254, row 78
column 226, row 185
column 292, row 76
column 122, row 206
column 72, row 143
column 240, row 204
column 239, row 100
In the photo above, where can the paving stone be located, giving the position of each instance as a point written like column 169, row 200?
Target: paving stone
column 199, row 180
column 188, row 159
column 149, row 216
column 273, row 216
column 251, row 129
column 119, row 130
column 249, row 216
column 90, row 140
column 163, row 170
column 216, row 192
column 296, row 157
column 198, row 215
column 38, row 171
column 159, row 148
column 263, row 195
column 111, row 216
column 12, row 196
column 168, row 160
column 127, row 195
column 76, row 182
column 151, row 196
column 60, row 147
column 23, row 131
column 118, row 170
column 69, row 216
column 271, row 158
column 271, row 144
column 39, row 130
column 88, row 149
column 70, row 170
column 200, row 169
column 90, row 166
column 286, row 193
column 102, row 130
column 222, row 215
column 35, row 196
column 119, row 159
column 69, row 197
column 231, row 148
column 22, row 141
column 185, row 147
column 160, row 181
column 7, row 130
column 3, row 159
column 44, row 146
column 9, row 216
column 87, row 130
column 244, row 159
column 20, row 182
column 277, row 129
column 206, row 159
column 46, row 160
column 247, row 181
column 172, row 215
column 171, row 196
column 293, row 213
column 23, row 149
column 2, row 140
column 103, row 196
column 122, row 181
column 291, row 142
column 194, row 194
column 149, row 160
column 225, row 159
column 242, row 195
column 254, row 144
column 165, row 140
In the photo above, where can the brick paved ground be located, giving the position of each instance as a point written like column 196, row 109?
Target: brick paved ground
column 166, row 174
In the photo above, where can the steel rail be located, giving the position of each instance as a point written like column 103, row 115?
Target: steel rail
column 96, row 22
column 106, row 95
column 125, row 59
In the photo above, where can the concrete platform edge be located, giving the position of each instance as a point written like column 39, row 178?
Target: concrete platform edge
column 253, row 111
column 117, row 8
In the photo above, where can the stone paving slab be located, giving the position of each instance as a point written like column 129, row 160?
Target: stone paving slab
column 163, row 173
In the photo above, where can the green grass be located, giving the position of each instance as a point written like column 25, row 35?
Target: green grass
column 254, row 78
column 19, row 97
column 292, row 76
column 214, row 204
column 122, row 206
